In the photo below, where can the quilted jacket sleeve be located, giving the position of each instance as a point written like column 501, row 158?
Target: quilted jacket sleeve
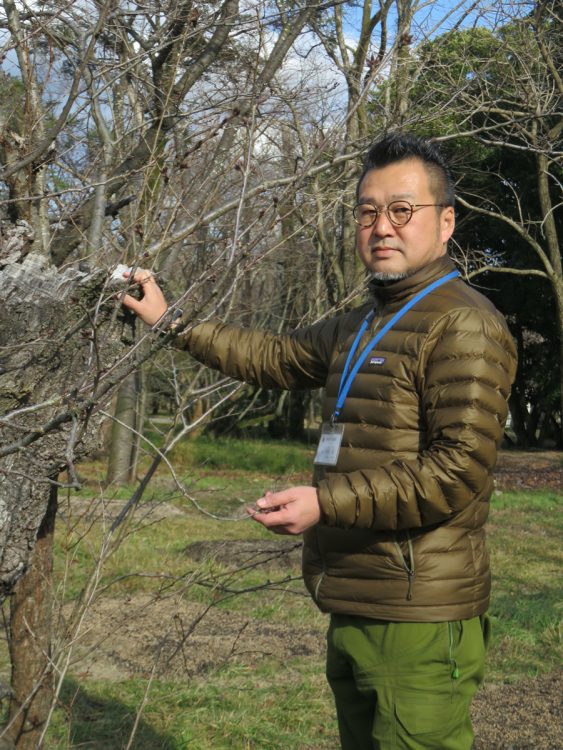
column 466, row 369
column 293, row 361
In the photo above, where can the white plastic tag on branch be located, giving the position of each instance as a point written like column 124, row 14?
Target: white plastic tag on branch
column 117, row 274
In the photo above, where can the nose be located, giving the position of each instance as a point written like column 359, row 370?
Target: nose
column 382, row 227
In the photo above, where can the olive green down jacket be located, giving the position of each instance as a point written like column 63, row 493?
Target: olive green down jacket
column 401, row 536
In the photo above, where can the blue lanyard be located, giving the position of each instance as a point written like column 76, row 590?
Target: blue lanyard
column 348, row 378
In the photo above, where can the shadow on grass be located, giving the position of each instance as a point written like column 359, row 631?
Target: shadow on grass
column 103, row 723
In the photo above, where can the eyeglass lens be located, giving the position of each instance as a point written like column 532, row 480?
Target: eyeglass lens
column 398, row 213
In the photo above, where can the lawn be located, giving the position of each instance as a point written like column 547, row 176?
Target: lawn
column 197, row 632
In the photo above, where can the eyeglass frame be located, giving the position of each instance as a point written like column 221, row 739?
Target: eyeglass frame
column 385, row 209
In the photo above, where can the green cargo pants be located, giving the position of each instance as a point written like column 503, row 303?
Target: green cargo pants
column 405, row 686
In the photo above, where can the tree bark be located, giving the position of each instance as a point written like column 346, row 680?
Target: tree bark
column 122, row 449
column 31, row 616
column 549, row 226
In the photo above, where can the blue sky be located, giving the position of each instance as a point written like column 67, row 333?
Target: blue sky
column 434, row 18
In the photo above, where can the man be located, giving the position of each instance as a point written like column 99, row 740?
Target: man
column 416, row 386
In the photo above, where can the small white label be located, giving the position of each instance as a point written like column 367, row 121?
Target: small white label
column 329, row 444
column 117, row 274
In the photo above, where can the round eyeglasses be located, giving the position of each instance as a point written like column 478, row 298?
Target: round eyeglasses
column 399, row 213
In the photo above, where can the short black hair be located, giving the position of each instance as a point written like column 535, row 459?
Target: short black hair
column 398, row 146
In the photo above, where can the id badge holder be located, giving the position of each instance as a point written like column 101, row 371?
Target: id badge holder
column 329, row 444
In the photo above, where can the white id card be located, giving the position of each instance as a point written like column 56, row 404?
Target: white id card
column 329, row 444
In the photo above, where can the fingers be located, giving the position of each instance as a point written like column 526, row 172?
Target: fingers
column 152, row 306
column 146, row 280
column 279, row 520
column 282, row 530
column 274, row 500
column 141, row 276
column 274, row 511
column 289, row 512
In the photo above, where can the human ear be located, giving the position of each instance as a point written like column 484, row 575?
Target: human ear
column 447, row 223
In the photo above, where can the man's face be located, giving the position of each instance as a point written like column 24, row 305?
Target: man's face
column 392, row 252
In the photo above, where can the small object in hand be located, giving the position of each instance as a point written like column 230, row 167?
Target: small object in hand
column 117, row 274
column 257, row 509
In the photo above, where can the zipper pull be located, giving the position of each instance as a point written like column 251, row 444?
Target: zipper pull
column 410, row 574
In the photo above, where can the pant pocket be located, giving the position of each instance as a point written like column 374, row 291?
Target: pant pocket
column 433, row 716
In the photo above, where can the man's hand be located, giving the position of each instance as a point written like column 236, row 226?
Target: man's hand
column 291, row 511
column 152, row 305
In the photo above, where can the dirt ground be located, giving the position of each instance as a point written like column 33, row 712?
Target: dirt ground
column 126, row 637
column 530, row 470
column 524, row 716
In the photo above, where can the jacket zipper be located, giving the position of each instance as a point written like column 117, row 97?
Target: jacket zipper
column 408, row 565
column 318, row 586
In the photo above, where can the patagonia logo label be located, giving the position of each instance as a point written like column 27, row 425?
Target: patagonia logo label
column 377, row 361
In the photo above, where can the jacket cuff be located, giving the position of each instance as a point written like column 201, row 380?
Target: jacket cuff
column 326, row 504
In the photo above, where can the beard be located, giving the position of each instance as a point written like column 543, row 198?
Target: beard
column 382, row 276
column 389, row 276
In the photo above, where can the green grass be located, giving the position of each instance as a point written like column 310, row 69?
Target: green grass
column 525, row 533
column 274, row 704
column 236, row 708
column 274, row 458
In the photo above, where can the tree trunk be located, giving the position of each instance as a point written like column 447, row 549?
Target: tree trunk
column 122, row 448
column 141, row 386
column 519, row 418
column 197, row 413
column 559, row 305
column 297, row 411
column 50, row 371
column 31, row 614
column 549, row 229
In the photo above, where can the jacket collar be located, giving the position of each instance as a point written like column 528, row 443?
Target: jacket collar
column 399, row 292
